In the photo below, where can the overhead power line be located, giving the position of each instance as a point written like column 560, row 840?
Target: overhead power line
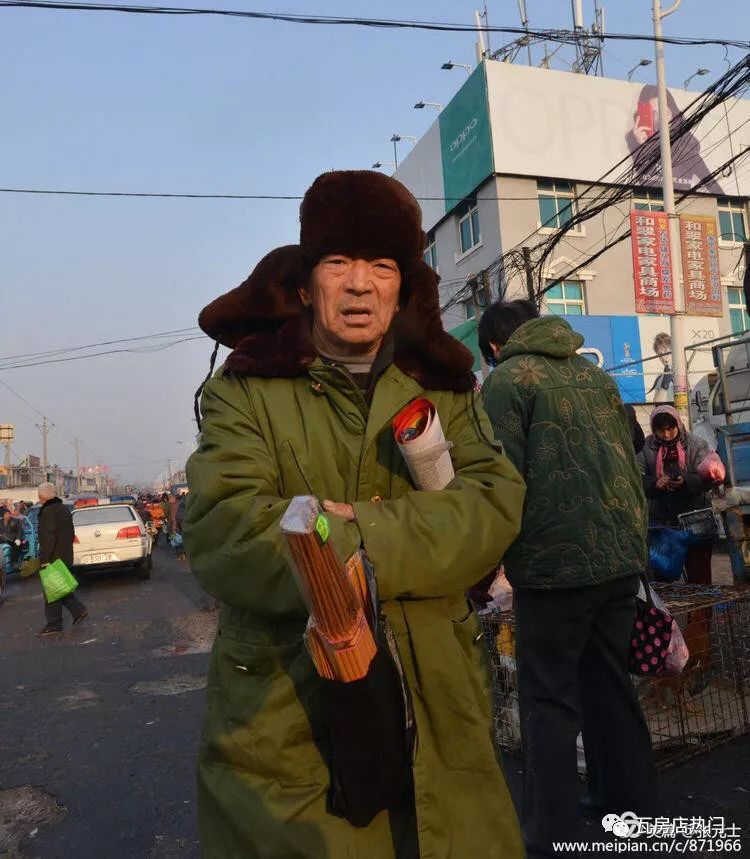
column 557, row 35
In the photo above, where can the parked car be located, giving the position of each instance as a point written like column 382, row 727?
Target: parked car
column 112, row 535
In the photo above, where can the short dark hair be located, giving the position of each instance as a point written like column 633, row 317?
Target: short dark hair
column 500, row 320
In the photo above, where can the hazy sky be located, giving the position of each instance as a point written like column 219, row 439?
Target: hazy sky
column 99, row 101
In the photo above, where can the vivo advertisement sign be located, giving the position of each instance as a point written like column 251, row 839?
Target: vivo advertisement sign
column 465, row 139
column 610, row 341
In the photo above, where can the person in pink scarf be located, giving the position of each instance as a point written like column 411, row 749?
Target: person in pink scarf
column 669, row 463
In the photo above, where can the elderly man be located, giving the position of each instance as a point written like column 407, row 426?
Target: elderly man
column 56, row 543
column 331, row 339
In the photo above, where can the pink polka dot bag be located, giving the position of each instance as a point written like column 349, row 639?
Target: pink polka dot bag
column 649, row 640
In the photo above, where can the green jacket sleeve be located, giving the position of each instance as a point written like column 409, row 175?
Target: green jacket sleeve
column 433, row 544
column 231, row 527
column 508, row 414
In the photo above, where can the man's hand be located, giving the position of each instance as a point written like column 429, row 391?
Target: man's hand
column 676, row 483
column 346, row 511
column 662, row 482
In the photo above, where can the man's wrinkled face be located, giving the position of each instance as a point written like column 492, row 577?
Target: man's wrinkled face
column 353, row 301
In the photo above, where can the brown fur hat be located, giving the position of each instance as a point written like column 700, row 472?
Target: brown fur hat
column 268, row 328
column 360, row 213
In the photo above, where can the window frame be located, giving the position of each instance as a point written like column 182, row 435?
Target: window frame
column 563, row 193
column 737, row 306
column 731, row 206
column 565, row 302
column 431, row 252
column 469, row 213
column 648, row 200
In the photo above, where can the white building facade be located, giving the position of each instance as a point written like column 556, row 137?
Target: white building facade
column 520, row 148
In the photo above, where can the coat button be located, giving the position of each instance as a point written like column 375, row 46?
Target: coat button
column 376, row 499
column 317, row 387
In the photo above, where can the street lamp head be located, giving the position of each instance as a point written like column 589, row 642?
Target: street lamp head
column 643, row 62
column 422, row 104
column 447, row 66
column 698, row 73
column 395, row 138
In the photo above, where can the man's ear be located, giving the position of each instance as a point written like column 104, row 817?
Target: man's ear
column 304, row 296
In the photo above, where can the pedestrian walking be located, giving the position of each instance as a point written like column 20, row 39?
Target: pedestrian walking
column 669, row 463
column 331, row 339
column 574, row 568
column 56, row 543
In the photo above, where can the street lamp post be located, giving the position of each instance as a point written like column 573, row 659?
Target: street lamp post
column 395, row 139
column 643, row 62
column 699, row 73
column 676, row 319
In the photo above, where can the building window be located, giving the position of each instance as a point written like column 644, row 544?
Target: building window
column 737, row 314
column 731, row 220
column 648, row 201
column 566, row 299
column 556, row 203
column 468, row 226
column 430, row 253
column 470, row 309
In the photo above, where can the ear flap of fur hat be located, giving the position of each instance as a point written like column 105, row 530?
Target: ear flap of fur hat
column 360, row 213
column 423, row 349
column 259, row 304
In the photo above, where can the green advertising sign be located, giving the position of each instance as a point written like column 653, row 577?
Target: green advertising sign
column 465, row 140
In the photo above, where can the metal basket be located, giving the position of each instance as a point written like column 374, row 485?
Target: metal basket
column 702, row 523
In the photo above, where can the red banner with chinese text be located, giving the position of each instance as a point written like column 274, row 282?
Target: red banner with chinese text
column 700, row 265
column 652, row 263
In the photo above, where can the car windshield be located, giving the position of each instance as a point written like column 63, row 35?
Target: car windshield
column 102, row 515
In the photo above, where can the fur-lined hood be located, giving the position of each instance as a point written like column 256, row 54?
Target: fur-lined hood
column 269, row 330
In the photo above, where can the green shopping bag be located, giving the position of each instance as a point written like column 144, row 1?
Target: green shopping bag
column 57, row 581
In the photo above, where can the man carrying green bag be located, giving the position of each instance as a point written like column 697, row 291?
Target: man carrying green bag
column 56, row 556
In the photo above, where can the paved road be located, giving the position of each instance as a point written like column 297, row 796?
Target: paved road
column 99, row 727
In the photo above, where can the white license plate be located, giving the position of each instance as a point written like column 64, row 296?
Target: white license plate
column 97, row 559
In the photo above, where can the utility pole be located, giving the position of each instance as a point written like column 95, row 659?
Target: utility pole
column 44, row 428
column 169, row 472
column 474, row 283
column 77, row 445
column 529, row 269
column 676, row 320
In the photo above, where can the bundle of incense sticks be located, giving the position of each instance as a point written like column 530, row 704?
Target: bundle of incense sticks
column 338, row 634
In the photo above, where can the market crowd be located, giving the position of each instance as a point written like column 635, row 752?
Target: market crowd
column 329, row 340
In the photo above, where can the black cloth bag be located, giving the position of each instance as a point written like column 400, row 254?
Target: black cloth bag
column 372, row 731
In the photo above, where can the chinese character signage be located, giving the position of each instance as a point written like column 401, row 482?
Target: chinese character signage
column 652, row 264
column 700, row 265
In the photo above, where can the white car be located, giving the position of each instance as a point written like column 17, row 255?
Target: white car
column 111, row 535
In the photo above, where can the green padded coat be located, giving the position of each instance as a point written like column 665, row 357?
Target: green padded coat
column 262, row 772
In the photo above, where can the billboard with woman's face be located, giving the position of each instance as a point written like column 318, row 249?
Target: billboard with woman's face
column 557, row 124
column 688, row 166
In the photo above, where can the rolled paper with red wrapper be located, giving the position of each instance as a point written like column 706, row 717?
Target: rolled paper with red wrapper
column 338, row 635
column 420, row 438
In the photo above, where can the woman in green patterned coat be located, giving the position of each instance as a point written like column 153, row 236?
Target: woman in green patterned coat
column 574, row 568
column 330, row 340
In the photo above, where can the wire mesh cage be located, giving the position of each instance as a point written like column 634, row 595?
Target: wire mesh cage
column 706, row 705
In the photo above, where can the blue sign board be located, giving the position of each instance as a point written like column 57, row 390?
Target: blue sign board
column 610, row 341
